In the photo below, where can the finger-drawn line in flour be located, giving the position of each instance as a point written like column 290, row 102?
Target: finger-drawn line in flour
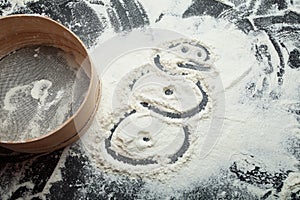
column 176, row 78
column 196, row 55
column 281, row 66
column 148, row 77
column 185, row 114
column 192, row 65
column 145, row 161
column 149, row 89
column 117, row 124
column 180, row 150
column 192, row 50
column 183, row 148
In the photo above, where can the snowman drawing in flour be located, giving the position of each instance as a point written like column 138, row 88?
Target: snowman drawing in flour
column 161, row 103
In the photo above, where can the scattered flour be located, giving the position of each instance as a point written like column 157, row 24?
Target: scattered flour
column 167, row 7
column 233, row 126
column 233, row 123
column 292, row 185
column 15, row 4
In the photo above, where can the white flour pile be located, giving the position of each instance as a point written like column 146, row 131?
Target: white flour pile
column 135, row 134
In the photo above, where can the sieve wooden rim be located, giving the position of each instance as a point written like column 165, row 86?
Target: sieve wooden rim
column 18, row 31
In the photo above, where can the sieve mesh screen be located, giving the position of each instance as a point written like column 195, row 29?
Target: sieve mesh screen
column 40, row 88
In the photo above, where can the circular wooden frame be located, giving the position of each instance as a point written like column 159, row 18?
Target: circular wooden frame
column 18, row 31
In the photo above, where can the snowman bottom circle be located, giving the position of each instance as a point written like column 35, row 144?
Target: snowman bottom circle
column 148, row 140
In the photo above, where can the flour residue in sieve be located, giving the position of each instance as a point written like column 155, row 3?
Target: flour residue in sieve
column 37, row 92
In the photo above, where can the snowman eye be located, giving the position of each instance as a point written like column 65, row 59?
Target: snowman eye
column 199, row 54
column 203, row 54
column 168, row 91
column 146, row 139
column 184, row 49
